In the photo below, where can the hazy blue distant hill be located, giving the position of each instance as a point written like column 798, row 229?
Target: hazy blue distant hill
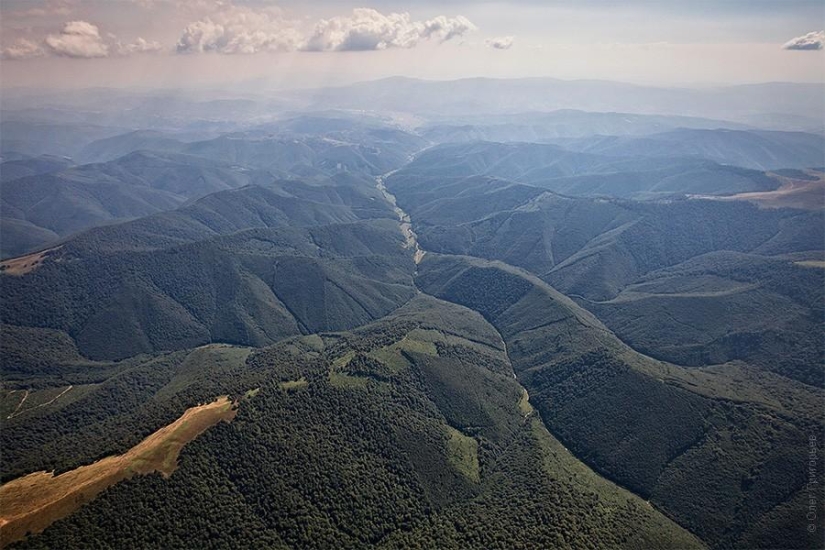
column 44, row 138
column 569, row 123
column 308, row 156
column 135, row 185
column 585, row 173
column 760, row 150
column 31, row 166
column 107, row 149
column 497, row 96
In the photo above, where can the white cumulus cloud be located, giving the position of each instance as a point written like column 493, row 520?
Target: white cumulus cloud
column 500, row 43
column 78, row 39
column 239, row 30
column 811, row 41
column 369, row 29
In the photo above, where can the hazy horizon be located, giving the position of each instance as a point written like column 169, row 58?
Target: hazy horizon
column 287, row 45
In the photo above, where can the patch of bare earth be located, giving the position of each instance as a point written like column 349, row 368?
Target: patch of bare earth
column 31, row 503
column 24, row 264
column 806, row 194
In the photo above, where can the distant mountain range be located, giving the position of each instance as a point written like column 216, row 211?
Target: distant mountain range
column 790, row 104
column 756, row 149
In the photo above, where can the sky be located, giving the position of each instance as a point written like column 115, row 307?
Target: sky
column 292, row 44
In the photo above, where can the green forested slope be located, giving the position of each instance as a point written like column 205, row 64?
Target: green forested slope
column 600, row 250
column 671, row 435
column 252, row 288
column 725, row 306
column 408, row 433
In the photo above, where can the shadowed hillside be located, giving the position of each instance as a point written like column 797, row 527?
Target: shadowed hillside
column 650, row 426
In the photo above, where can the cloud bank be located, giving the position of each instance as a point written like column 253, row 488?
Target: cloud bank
column 233, row 29
column 500, row 43
column 79, row 40
column 811, row 41
column 239, row 30
column 368, row 29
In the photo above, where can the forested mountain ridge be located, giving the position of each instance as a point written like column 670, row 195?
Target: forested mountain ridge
column 650, row 426
column 756, row 149
column 593, row 249
column 418, row 410
column 253, row 287
column 40, row 208
column 425, row 340
column 569, row 171
column 136, row 185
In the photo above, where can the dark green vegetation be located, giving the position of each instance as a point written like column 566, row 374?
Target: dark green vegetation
column 397, row 440
column 727, row 465
column 739, row 298
column 253, row 287
column 672, row 344
column 725, row 306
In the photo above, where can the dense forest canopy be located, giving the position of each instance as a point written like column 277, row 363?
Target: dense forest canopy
column 455, row 314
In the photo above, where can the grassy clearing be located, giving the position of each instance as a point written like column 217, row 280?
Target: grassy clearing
column 524, row 405
column 416, row 341
column 344, row 360
column 31, row 503
column 339, row 380
column 314, row 342
column 463, row 454
column 393, row 358
column 222, row 359
column 14, row 403
column 290, row 385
